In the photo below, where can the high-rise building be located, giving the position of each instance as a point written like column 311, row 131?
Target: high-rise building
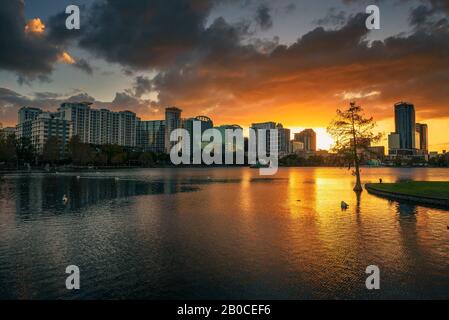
column 151, row 135
column 127, row 129
column 308, row 137
column 270, row 141
column 47, row 125
column 39, row 126
column 405, row 124
column 100, row 126
column 394, row 143
column 28, row 113
column 79, row 114
column 205, row 123
column 172, row 122
column 283, row 139
column 422, row 131
column 230, row 146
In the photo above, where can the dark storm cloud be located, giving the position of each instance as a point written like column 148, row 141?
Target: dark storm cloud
column 80, row 97
column 83, row 65
column 334, row 18
column 142, row 85
column 146, row 34
column 28, row 54
column 11, row 97
column 442, row 5
column 263, row 17
column 420, row 15
column 143, row 34
column 31, row 53
column 46, row 95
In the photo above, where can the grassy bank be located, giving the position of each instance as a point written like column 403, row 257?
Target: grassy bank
column 435, row 189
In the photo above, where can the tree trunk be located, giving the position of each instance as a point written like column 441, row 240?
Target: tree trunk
column 358, row 183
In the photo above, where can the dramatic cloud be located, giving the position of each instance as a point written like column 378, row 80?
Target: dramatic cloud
column 23, row 49
column 440, row 5
column 311, row 77
column 142, row 85
column 26, row 48
column 142, row 34
column 34, row 26
column 334, row 18
column 83, row 65
column 263, row 17
column 222, row 67
column 66, row 58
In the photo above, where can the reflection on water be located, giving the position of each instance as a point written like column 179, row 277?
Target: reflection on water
column 45, row 193
column 219, row 233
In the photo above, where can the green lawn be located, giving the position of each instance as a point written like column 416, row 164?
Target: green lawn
column 425, row 189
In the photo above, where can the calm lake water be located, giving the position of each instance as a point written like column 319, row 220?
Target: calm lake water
column 218, row 233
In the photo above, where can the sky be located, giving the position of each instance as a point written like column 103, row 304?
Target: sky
column 236, row 61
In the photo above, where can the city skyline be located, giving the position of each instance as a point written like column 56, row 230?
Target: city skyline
column 321, row 137
column 235, row 61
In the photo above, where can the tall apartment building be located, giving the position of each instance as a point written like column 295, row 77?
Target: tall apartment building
column 101, row 126
column 48, row 125
column 79, row 115
column 127, row 128
column 39, row 126
column 404, row 115
column 308, row 138
column 26, row 115
column 151, row 135
column 172, row 122
column 205, row 124
column 230, row 146
column 283, row 139
column 394, row 143
column 422, row 131
column 270, row 140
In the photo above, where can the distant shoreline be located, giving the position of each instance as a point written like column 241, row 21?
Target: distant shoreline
column 69, row 169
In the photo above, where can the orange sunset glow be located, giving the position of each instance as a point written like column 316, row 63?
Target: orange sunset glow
column 35, row 26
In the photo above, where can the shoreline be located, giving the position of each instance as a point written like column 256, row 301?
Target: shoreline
column 398, row 196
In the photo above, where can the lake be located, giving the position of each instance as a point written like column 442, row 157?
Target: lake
column 218, row 233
